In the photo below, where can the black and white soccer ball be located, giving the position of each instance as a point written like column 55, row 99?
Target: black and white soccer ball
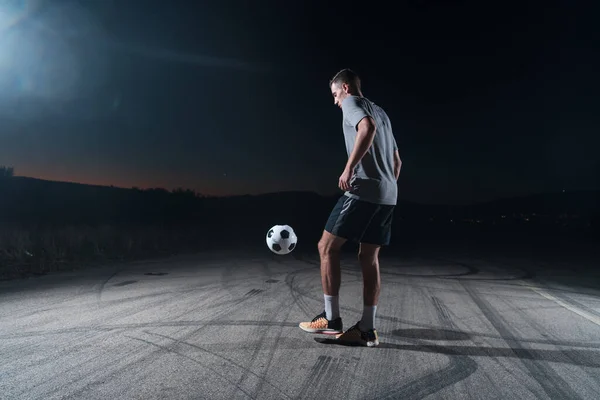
column 281, row 239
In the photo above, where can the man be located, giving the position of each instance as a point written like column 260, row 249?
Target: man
column 363, row 213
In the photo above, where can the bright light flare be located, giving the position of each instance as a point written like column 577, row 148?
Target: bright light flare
column 41, row 55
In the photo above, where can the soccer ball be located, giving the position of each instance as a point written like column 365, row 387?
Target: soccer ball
column 281, row 239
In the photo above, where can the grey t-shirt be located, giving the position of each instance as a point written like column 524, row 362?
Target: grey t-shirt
column 373, row 179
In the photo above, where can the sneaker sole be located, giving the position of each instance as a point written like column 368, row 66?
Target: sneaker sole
column 358, row 342
column 323, row 331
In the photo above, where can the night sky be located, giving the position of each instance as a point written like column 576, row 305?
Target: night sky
column 233, row 97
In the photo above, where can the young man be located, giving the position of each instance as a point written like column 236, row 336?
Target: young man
column 364, row 213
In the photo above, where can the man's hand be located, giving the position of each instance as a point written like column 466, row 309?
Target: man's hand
column 344, row 182
column 397, row 164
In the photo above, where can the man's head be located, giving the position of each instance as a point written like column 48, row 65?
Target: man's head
column 345, row 83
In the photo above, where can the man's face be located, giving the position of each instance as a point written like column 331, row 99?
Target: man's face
column 339, row 93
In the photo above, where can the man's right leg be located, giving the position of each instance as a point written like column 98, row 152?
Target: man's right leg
column 330, row 247
column 339, row 228
column 330, row 320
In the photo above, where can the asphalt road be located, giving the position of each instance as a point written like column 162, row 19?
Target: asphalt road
column 222, row 326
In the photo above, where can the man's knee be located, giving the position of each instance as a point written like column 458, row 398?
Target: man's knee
column 330, row 243
column 368, row 253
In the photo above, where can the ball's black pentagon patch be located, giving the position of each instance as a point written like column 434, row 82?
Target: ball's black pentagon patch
column 276, row 247
column 292, row 246
column 285, row 234
column 270, row 233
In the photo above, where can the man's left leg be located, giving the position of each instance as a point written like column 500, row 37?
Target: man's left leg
column 375, row 237
column 368, row 257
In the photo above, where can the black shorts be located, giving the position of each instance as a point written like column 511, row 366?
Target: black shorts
column 361, row 222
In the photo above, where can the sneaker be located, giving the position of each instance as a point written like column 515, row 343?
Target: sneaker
column 355, row 336
column 320, row 324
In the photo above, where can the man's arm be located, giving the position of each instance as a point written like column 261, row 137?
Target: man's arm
column 365, row 132
column 397, row 164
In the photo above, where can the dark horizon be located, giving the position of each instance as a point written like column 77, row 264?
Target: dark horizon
column 586, row 201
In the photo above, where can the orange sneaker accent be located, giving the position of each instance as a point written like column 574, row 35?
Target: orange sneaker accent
column 320, row 324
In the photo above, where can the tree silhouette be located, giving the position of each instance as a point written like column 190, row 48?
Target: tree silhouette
column 6, row 172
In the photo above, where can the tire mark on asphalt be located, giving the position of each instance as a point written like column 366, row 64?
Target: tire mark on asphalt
column 167, row 324
column 260, row 328
column 551, row 383
column 259, row 331
column 444, row 314
column 326, row 378
column 21, row 371
column 312, row 384
column 298, row 300
column 470, row 270
column 168, row 349
column 213, row 321
column 230, row 304
column 125, row 283
column 494, row 354
column 524, row 274
column 47, row 305
column 287, row 308
column 266, row 269
column 570, row 357
column 135, row 309
column 202, row 325
column 315, row 374
column 254, row 292
column 294, row 288
column 175, row 295
column 205, row 350
column 434, row 381
column 131, row 358
column 51, row 378
column 459, row 368
column 103, row 284
column 178, row 292
column 307, row 259
column 199, row 324
column 595, row 315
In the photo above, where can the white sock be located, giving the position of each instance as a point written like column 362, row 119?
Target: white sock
column 368, row 318
column 332, row 307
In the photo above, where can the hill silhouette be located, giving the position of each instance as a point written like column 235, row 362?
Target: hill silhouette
column 30, row 200
column 49, row 223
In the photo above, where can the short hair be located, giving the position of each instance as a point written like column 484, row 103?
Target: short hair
column 349, row 77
